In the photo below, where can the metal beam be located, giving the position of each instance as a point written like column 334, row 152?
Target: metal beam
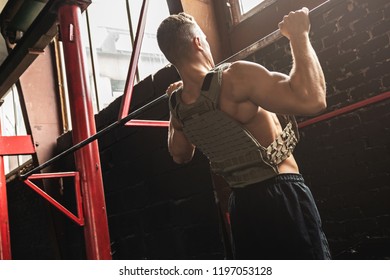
column 38, row 35
column 96, row 231
column 34, row 41
column 16, row 145
column 126, row 98
column 5, row 243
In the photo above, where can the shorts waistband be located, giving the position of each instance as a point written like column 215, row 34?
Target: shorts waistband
column 284, row 177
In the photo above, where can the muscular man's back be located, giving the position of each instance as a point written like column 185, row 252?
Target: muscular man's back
column 262, row 124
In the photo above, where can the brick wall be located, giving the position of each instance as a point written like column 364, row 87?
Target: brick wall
column 30, row 224
column 346, row 159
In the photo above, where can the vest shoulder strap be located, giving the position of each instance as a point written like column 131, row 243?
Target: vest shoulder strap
column 208, row 99
column 212, row 84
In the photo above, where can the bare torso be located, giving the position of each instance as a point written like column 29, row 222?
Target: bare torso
column 262, row 124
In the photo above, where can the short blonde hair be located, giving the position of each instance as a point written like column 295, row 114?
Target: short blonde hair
column 174, row 36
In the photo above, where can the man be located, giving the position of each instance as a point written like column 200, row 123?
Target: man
column 229, row 113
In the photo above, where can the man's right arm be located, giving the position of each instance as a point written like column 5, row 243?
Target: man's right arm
column 302, row 92
column 306, row 74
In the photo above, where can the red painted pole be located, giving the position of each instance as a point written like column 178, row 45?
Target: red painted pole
column 5, row 243
column 83, row 123
column 128, row 92
column 375, row 99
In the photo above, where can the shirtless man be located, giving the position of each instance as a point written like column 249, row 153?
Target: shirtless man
column 230, row 114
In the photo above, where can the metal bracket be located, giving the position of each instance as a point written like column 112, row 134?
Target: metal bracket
column 79, row 219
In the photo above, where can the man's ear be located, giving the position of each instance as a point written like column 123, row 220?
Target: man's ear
column 197, row 43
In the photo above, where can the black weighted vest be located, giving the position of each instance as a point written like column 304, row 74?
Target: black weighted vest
column 232, row 151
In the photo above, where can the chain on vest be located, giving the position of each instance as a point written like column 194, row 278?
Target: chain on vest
column 231, row 149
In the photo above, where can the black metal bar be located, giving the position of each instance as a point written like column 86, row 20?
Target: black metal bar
column 100, row 133
column 276, row 35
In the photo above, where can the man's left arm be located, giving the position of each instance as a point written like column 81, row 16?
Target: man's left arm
column 179, row 147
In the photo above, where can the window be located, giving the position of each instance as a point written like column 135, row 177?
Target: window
column 247, row 5
column 242, row 9
column 252, row 20
column 158, row 10
column 12, row 124
column 111, row 27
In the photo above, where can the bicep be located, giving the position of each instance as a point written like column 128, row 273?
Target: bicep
column 271, row 90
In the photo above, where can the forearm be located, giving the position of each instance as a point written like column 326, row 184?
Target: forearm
column 179, row 147
column 306, row 77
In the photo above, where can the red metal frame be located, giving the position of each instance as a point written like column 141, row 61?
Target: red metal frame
column 79, row 219
column 148, row 123
column 9, row 145
column 346, row 109
column 16, row 145
column 128, row 92
column 96, row 232
column 5, row 243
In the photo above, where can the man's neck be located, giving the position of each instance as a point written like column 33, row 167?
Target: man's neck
column 192, row 76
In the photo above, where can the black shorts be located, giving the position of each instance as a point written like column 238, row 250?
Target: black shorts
column 276, row 219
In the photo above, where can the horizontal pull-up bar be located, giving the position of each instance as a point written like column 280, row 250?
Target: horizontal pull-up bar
column 276, row 35
column 100, row 133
